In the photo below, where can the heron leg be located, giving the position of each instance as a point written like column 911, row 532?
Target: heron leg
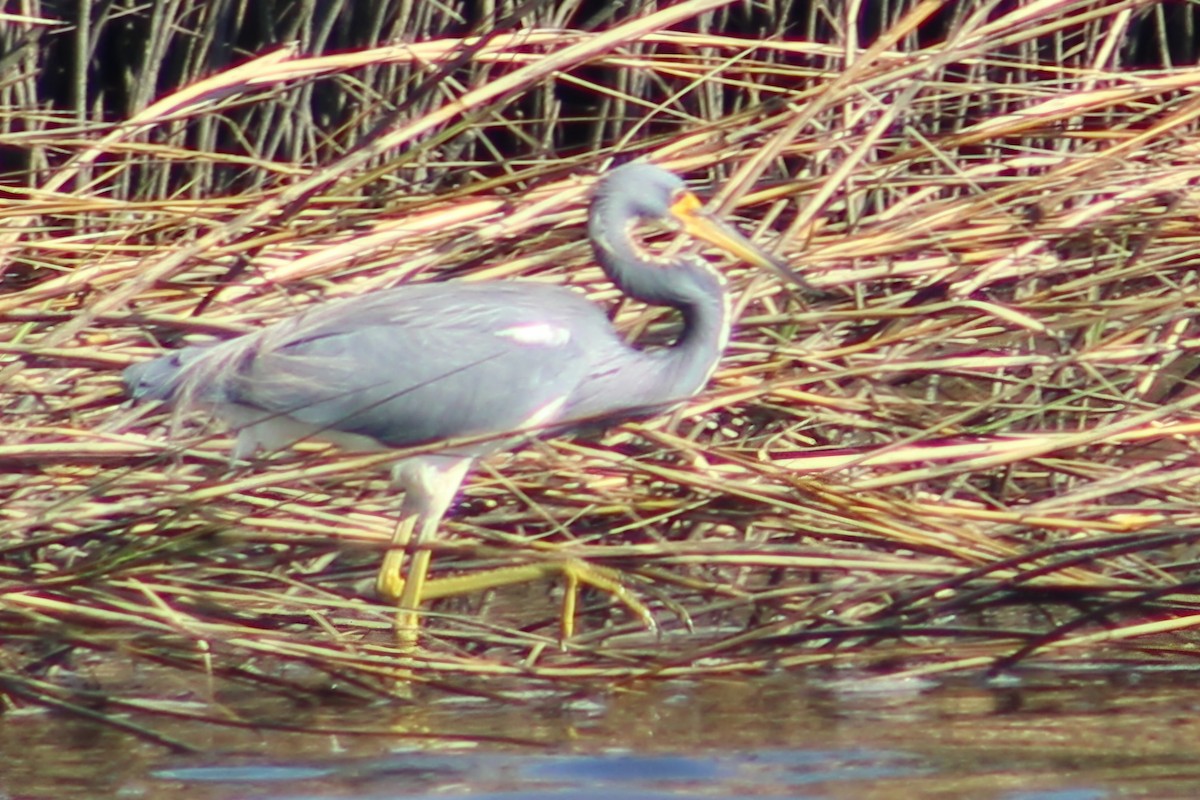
column 407, row 617
column 430, row 484
column 389, row 583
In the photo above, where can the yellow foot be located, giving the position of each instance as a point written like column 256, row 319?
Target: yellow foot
column 574, row 572
column 606, row 580
column 409, row 591
column 405, row 593
column 389, row 584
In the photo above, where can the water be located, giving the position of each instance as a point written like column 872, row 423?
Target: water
column 854, row 736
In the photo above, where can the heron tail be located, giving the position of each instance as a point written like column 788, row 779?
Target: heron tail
column 159, row 378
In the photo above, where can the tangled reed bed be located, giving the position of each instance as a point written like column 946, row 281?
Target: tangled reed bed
column 981, row 456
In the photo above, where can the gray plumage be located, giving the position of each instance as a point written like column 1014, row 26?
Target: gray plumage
column 418, row 364
column 413, row 365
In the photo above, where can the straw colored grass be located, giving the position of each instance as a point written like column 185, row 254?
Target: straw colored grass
column 980, row 457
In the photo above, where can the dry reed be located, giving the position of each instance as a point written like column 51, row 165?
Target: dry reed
column 982, row 458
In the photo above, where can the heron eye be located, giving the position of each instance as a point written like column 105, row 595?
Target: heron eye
column 684, row 204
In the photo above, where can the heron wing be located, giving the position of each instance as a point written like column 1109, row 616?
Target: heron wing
column 423, row 363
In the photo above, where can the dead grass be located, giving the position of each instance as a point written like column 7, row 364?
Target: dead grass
column 983, row 457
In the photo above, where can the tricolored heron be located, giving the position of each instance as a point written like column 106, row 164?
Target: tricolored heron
column 424, row 363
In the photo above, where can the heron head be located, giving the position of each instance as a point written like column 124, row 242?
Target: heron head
column 643, row 191
column 655, row 193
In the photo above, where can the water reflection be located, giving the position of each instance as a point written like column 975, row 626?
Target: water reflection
column 612, row 774
column 784, row 735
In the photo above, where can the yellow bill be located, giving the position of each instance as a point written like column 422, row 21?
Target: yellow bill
column 690, row 213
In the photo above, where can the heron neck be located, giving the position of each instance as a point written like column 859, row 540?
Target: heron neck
column 694, row 356
column 690, row 285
